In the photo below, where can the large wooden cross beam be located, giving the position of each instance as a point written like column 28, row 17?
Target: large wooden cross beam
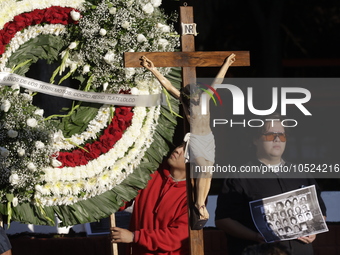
column 188, row 59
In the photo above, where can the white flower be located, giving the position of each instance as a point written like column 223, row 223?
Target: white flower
column 12, row 133
column 129, row 3
column 5, row 106
column 113, row 10
column 15, row 201
column 62, row 54
column 21, row 152
column 39, row 145
column 86, row 69
column 156, row 3
column 163, row 28
column 4, row 152
column 31, row 166
column 163, row 42
column 75, row 15
column 74, row 66
column 17, row 88
column 105, row 86
column 148, row 8
column 31, row 122
column 141, row 38
column 129, row 72
column 109, row 57
column 134, row 91
column 56, row 163
column 72, row 45
column 38, row 188
column 14, row 179
column 102, row 32
column 125, row 24
column 28, row 97
column 39, row 112
column 58, row 136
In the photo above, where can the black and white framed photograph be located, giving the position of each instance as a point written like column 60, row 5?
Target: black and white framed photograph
column 289, row 215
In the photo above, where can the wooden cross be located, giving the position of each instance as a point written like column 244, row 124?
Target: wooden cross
column 188, row 59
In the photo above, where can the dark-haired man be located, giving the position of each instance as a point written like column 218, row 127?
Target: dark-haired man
column 159, row 223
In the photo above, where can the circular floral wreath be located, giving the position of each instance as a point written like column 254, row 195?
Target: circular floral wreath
column 84, row 166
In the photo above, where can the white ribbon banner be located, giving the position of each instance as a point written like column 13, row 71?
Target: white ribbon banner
column 10, row 79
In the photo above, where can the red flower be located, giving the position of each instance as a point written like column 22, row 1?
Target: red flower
column 23, row 20
column 67, row 159
column 79, row 157
column 95, row 150
column 2, row 48
column 57, row 15
column 114, row 132
column 10, row 30
column 37, row 16
column 52, row 15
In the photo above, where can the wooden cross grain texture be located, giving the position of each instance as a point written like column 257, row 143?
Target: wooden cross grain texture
column 188, row 59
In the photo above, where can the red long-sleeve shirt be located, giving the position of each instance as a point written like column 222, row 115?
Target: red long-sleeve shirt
column 160, row 217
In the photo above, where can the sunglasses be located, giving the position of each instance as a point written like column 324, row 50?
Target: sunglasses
column 271, row 136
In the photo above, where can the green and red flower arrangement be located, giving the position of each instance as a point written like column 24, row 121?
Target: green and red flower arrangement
column 82, row 165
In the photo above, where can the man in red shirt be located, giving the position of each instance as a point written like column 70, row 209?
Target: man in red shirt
column 159, row 223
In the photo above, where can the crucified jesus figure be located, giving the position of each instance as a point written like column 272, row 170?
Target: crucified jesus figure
column 201, row 142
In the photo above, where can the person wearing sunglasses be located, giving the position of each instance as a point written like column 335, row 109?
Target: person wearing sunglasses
column 233, row 213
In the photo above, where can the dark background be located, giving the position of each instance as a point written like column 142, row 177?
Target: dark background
column 286, row 38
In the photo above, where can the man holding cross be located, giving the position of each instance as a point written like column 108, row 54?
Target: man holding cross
column 160, row 221
column 188, row 59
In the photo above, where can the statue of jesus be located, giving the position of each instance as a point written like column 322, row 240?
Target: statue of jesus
column 201, row 142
